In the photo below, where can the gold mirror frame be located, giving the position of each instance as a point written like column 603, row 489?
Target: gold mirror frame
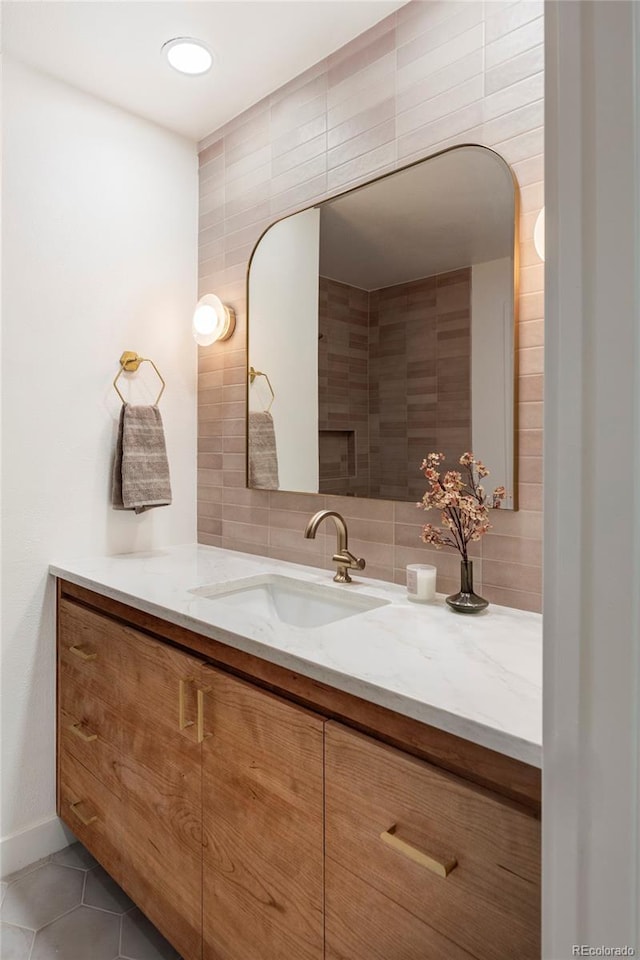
column 251, row 373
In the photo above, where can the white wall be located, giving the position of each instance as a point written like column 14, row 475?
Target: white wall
column 591, row 808
column 99, row 256
column 283, row 341
column 492, row 369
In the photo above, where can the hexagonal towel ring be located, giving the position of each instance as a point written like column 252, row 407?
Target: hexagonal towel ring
column 129, row 363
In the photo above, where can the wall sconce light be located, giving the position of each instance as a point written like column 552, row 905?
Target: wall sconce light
column 212, row 320
column 538, row 235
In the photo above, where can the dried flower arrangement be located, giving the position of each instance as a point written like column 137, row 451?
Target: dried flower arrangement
column 463, row 502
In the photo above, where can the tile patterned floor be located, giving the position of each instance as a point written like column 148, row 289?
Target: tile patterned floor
column 66, row 907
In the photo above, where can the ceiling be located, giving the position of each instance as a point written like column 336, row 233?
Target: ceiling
column 111, row 49
column 451, row 211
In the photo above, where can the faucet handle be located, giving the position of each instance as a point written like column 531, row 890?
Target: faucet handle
column 348, row 560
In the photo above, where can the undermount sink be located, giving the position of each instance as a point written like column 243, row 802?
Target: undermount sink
column 292, row 601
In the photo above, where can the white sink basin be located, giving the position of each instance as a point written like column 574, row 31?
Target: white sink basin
column 288, row 600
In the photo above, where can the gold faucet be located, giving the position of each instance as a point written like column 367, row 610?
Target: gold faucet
column 343, row 558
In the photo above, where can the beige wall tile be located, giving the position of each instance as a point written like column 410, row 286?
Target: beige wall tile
column 413, row 19
column 344, row 65
column 441, row 105
column 426, row 41
column 512, row 598
column 512, row 550
column 451, row 51
column 362, row 168
column 515, row 576
column 502, row 18
column 513, row 71
column 361, row 122
column 514, row 43
column 432, row 74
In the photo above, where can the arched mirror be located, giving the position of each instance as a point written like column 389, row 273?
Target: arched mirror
column 381, row 328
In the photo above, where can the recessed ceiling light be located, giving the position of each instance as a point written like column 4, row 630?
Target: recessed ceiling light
column 187, row 55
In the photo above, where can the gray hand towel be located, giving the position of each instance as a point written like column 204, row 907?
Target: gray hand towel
column 263, row 457
column 141, row 469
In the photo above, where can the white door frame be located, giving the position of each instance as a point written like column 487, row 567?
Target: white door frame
column 591, row 820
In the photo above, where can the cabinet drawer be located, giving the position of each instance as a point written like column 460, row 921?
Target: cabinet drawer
column 89, row 730
column 92, row 812
column 400, row 825
column 363, row 924
column 89, row 652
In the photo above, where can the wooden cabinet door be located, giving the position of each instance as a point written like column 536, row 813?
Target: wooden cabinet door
column 161, row 779
column 422, row 865
column 130, row 776
column 263, row 825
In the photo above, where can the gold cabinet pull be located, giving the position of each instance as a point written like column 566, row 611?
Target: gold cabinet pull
column 440, row 865
column 200, row 695
column 77, row 651
column 183, row 723
column 87, row 821
column 76, row 730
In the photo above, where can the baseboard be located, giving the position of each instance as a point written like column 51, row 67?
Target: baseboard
column 40, row 840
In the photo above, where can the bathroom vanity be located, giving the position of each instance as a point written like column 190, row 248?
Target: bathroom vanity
column 275, row 766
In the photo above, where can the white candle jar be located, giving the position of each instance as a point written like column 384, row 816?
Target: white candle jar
column 421, row 582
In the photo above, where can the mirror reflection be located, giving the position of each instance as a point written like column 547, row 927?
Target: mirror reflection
column 384, row 321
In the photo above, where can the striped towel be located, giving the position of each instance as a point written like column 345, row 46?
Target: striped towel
column 141, row 469
column 263, row 456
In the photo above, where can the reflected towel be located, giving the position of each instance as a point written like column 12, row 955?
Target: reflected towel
column 263, row 457
column 141, row 469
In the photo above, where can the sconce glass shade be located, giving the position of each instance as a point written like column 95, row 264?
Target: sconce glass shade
column 538, row 235
column 212, row 320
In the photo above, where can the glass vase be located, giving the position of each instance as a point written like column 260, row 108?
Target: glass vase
column 466, row 601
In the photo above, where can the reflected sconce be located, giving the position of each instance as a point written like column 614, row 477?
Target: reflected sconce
column 212, row 320
column 538, row 235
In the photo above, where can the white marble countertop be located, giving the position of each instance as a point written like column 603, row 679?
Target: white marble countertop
column 477, row 676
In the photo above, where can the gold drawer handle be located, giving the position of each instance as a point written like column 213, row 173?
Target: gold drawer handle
column 77, row 651
column 200, row 695
column 76, row 729
column 183, row 723
column 87, row 821
column 442, row 866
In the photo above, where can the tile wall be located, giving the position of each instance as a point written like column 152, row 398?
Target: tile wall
column 394, row 382
column 432, row 75
column 419, row 379
column 343, row 388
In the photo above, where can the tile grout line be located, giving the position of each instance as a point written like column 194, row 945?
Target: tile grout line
column 29, row 868
column 112, row 913
column 55, row 919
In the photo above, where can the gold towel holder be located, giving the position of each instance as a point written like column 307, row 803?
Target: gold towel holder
column 253, row 373
column 129, row 363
